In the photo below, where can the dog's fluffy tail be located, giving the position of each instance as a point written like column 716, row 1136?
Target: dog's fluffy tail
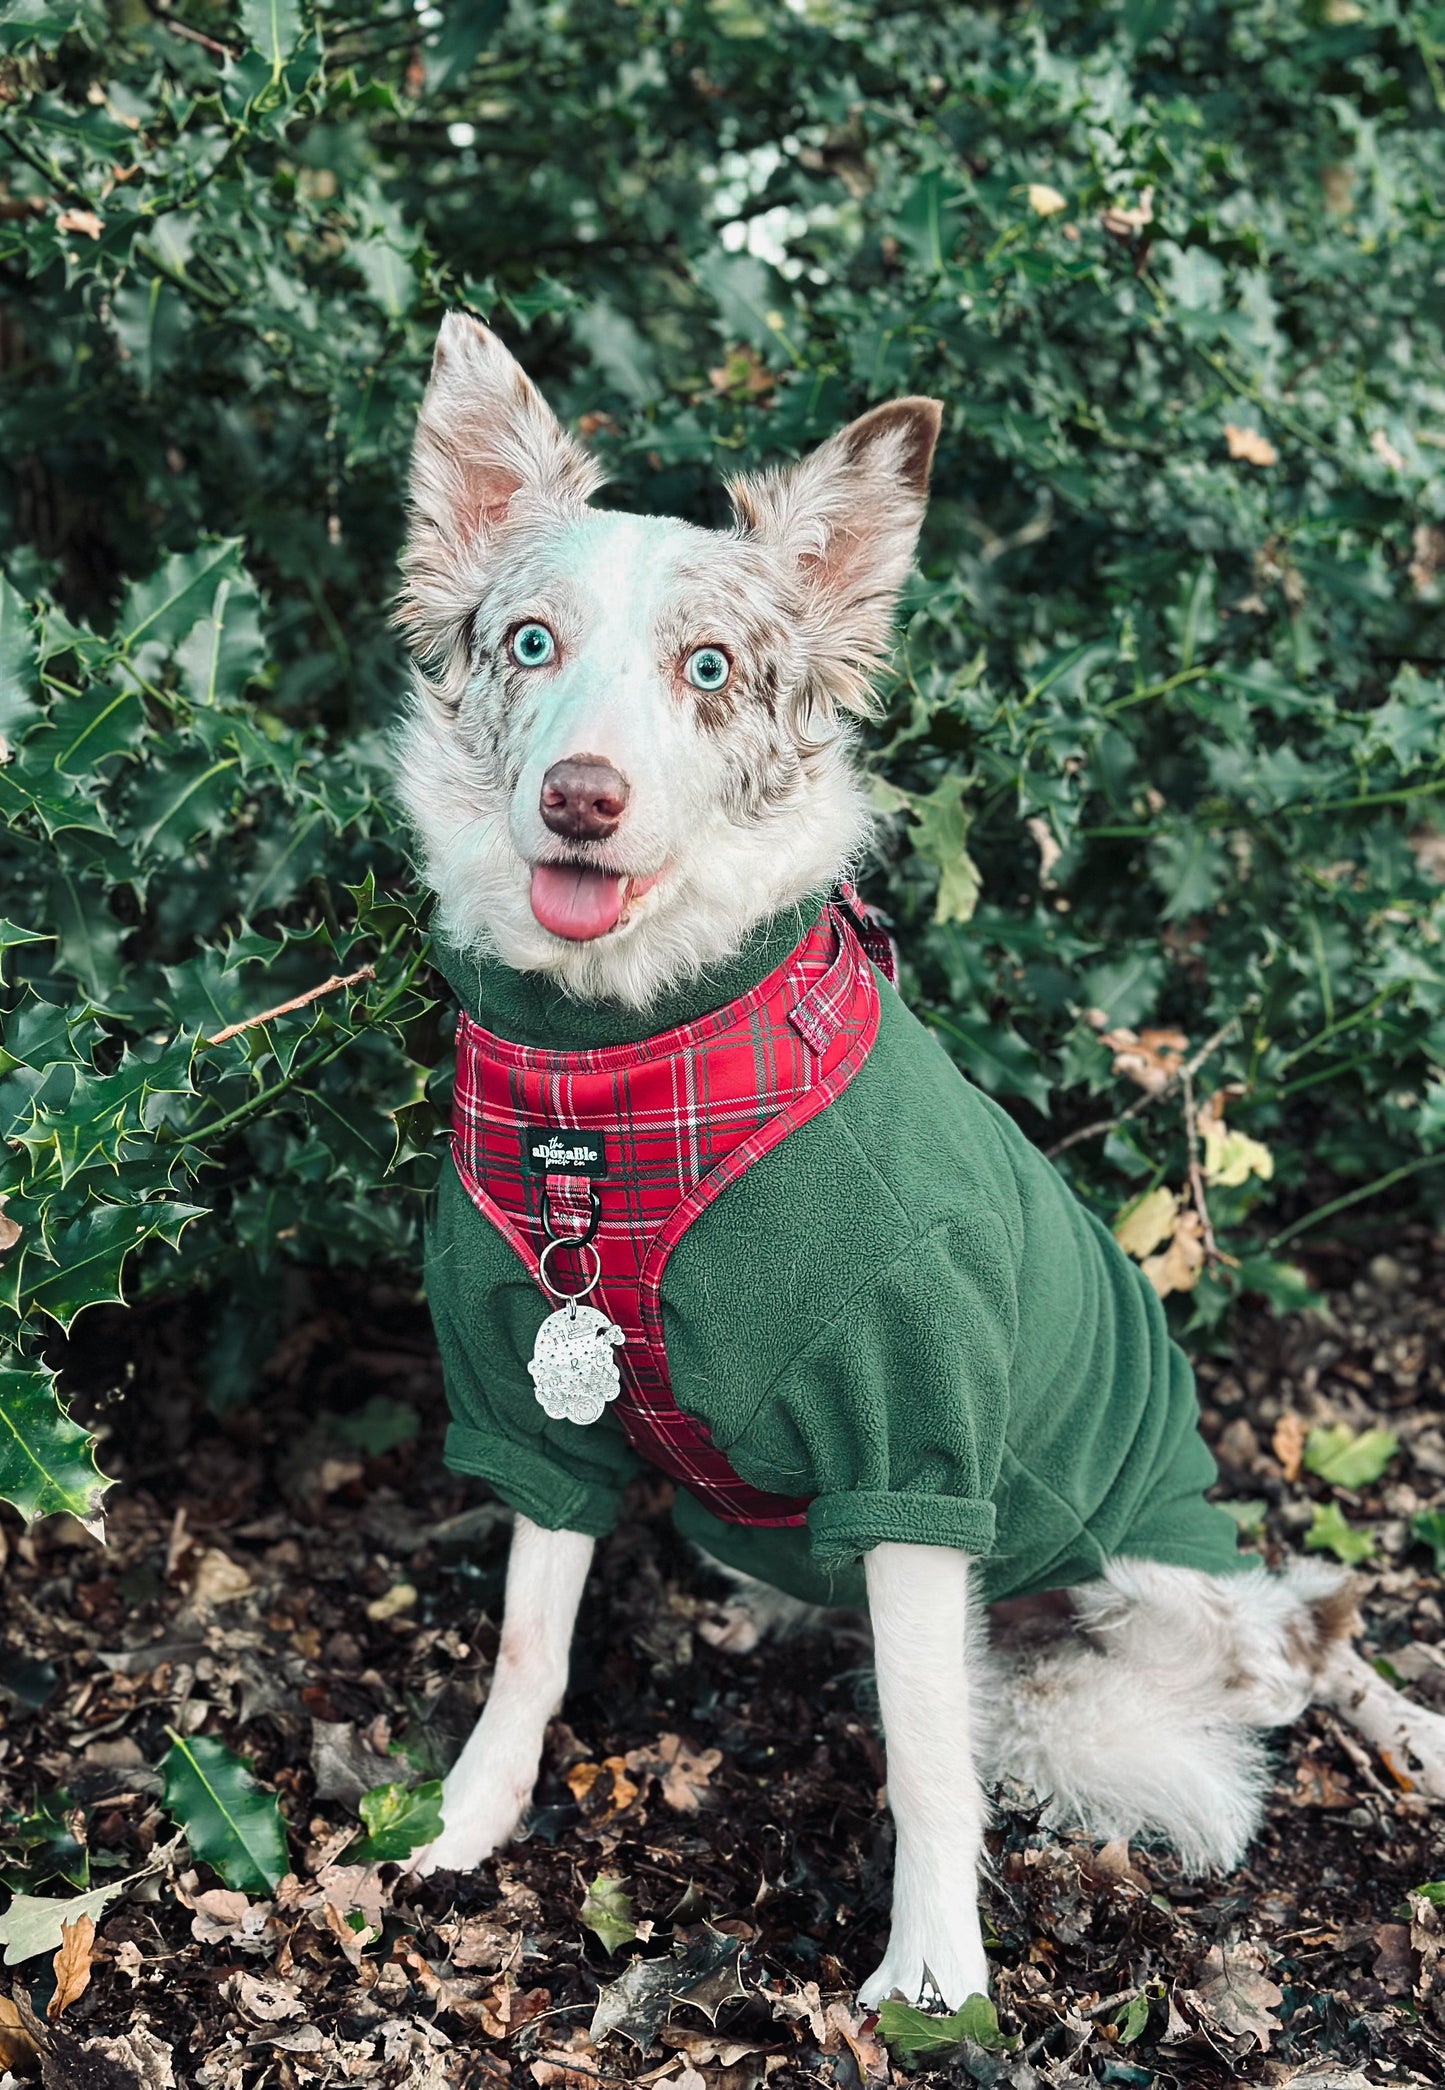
column 1145, row 1722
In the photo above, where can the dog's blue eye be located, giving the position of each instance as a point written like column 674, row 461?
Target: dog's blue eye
column 707, row 668
column 532, row 645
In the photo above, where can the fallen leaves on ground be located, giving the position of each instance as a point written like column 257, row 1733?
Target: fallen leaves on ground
column 723, row 1803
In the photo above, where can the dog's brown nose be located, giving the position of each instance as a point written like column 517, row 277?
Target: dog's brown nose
column 583, row 797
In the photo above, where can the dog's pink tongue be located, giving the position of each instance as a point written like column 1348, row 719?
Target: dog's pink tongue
column 572, row 901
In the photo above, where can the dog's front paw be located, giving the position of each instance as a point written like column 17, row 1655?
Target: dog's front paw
column 473, row 1827
column 947, row 1972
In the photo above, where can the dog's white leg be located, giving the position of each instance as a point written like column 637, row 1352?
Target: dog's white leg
column 918, row 1600
column 1411, row 1736
column 490, row 1784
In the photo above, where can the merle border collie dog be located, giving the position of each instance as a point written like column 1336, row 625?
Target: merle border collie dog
column 630, row 765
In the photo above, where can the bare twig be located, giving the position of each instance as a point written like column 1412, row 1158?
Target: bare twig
column 1213, row 1253
column 192, row 36
column 299, row 1001
column 1186, row 1072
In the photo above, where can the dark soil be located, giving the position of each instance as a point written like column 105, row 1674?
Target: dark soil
column 269, row 1583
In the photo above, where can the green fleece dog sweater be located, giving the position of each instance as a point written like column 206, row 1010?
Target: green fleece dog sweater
column 899, row 1313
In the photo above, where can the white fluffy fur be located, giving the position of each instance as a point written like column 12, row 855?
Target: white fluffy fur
column 741, row 815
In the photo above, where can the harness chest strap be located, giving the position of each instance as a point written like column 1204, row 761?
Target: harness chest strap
column 647, row 1136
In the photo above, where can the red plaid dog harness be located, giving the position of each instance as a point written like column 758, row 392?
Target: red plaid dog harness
column 672, row 1120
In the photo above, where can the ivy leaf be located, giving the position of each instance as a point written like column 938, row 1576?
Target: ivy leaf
column 1427, row 1528
column 914, row 2035
column 47, row 1462
column 1334, row 1453
column 399, row 1820
column 1331, row 1532
column 230, row 1823
column 607, row 1912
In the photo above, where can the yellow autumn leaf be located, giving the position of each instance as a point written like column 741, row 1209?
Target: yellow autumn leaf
column 1141, row 1227
column 1249, row 446
column 1044, row 201
column 1177, row 1268
column 1231, row 1158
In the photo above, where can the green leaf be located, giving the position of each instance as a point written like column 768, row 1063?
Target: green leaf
column 399, row 1820
column 1132, row 2019
column 997, row 1058
column 1331, row 1532
column 1427, row 1528
column 230, row 1823
column 18, row 658
column 167, row 603
column 1433, row 1891
column 380, row 1426
column 224, row 649
column 1336, row 1454
column 914, row 2035
column 35, row 1923
column 89, row 1255
column 272, row 27
column 105, row 721
column 607, row 1912
column 12, row 936
column 940, row 835
column 47, row 1462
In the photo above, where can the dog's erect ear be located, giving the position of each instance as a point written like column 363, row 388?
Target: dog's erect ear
column 847, row 517
column 485, row 437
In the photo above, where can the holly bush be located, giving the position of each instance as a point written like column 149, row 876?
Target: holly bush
column 1157, row 762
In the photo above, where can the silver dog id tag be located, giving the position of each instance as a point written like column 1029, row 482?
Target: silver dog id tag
column 573, row 1368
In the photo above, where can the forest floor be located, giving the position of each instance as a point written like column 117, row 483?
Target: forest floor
column 318, row 1605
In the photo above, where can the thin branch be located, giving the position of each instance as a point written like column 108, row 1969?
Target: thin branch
column 299, row 1001
column 1354, row 1197
column 1213, row 1253
column 1186, row 1072
column 184, row 29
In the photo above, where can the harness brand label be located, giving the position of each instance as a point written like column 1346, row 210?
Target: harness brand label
column 557, row 1150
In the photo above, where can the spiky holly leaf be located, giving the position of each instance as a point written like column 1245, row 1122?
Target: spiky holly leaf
column 399, row 1820
column 229, row 1821
column 607, row 1912
column 914, row 2035
column 47, row 1462
column 1332, row 1532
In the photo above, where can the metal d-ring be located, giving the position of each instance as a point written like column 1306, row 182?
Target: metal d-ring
column 593, row 1222
column 564, row 1242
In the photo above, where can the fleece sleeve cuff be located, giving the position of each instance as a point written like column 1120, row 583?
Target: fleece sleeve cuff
column 843, row 1526
column 530, row 1483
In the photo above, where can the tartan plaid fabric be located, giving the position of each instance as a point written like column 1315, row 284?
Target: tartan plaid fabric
column 679, row 1117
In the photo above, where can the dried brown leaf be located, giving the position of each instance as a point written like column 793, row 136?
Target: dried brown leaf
column 1178, row 1267
column 1235, row 1995
column 1288, row 1443
column 72, row 1964
column 1248, row 446
column 19, row 2043
column 84, row 221
column 1150, row 1058
column 683, row 1773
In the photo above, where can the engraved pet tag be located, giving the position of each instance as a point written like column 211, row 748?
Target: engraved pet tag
column 572, row 1367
